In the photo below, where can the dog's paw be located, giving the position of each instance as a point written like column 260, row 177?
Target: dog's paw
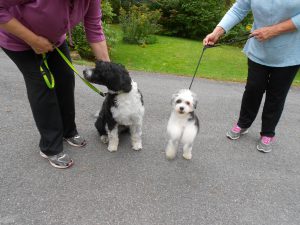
column 137, row 146
column 104, row 139
column 187, row 156
column 112, row 148
column 170, row 154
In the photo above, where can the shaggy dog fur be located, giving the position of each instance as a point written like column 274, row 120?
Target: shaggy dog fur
column 183, row 124
column 122, row 107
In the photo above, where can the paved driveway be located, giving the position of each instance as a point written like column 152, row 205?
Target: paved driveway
column 226, row 182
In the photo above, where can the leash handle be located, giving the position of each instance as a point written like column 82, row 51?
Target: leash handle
column 76, row 72
column 243, row 37
column 43, row 67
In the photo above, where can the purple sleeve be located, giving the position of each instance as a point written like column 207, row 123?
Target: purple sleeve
column 5, row 16
column 92, row 22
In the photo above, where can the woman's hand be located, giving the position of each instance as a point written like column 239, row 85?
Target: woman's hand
column 266, row 33
column 41, row 45
column 213, row 37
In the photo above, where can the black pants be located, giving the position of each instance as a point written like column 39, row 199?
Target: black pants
column 275, row 82
column 53, row 110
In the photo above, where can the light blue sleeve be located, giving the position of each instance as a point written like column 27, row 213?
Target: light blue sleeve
column 235, row 14
column 296, row 21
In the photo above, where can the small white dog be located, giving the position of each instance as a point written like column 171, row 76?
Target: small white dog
column 183, row 125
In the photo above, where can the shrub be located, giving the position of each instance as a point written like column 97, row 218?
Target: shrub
column 139, row 24
column 189, row 18
column 125, row 4
column 78, row 33
column 107, row 11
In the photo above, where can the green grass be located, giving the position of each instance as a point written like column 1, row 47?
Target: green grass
column 180, row 56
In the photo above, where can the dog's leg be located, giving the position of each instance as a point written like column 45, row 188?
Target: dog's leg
column 113, row 139
column 174, row 133
column 136, row 136
column 171, row 149
column 101, row 126
column 188, row 137
column 187, row 151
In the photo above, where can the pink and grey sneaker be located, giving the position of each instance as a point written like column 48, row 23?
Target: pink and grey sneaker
column 236, row 132
column 265, row 144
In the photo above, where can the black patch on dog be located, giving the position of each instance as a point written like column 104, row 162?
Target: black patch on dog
column 195, row 118
column 105, row 115
column 142, row 99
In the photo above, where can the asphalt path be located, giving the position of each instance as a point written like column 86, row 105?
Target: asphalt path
column 226, row 182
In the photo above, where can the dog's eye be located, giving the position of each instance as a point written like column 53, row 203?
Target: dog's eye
column 188, row 103
column 178, row 101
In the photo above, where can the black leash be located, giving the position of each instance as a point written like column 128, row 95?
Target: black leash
column 242, row 37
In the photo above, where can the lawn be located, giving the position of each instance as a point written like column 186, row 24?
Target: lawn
column 180, row 56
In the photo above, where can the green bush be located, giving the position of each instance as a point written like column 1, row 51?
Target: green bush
column 189, row 18
column 125, row 4
column 78, row 33
column 194, row 18
column 107, row 11
column 139, row 24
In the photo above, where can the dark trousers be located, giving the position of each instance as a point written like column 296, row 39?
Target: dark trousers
column 275, row 82
column 53, row 110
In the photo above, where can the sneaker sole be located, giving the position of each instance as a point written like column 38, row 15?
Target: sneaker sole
column 232, row 138
column 262, row 150
column 54, row 165
column 74, row 145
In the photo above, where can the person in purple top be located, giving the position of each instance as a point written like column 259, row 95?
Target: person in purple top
column 30, row 28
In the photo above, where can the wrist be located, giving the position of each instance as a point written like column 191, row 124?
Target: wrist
column 31, row 39
column 219, row 31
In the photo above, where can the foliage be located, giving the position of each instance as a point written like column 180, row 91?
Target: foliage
column 107, row 11
column 125, row 4
column 78, row 33
column 139, row 24
column 189, row 18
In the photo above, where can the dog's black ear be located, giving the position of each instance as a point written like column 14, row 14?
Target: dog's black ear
column 126, row 84
column 124, row 78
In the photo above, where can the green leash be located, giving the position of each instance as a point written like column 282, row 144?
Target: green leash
column 51, row 84
column 43, row 67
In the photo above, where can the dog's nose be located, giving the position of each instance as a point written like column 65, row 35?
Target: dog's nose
column 181, row 108
column 87, row 73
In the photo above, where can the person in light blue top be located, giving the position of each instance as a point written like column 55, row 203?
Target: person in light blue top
column 273, row 61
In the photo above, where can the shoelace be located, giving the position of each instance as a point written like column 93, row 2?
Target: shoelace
column 266, row 140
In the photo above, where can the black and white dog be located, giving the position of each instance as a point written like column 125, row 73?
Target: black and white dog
column 123, row 105
column 183, row 124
